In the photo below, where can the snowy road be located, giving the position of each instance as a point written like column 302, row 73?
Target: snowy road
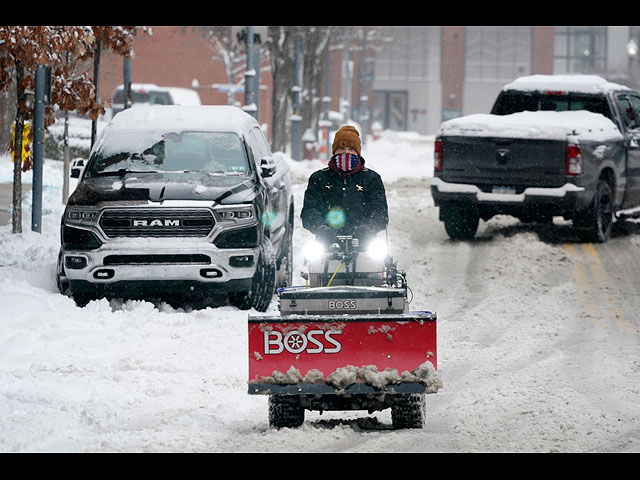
column 538, row 348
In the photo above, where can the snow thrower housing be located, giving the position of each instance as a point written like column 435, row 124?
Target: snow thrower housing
column 345, row 341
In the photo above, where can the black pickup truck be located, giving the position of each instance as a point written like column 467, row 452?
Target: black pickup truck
column 565, row 145
column 183, row 202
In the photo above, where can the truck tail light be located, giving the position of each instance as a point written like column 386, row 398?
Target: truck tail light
column 574, row 160
column 437, row 155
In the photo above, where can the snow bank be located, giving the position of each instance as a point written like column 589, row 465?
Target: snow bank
column 531, row 355
column 394, row 155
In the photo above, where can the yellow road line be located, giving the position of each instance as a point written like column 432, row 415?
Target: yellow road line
column 602, row 283
column 582, row 280
column 605, row 284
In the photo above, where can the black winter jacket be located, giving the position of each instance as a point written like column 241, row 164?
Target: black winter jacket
column 361, row 196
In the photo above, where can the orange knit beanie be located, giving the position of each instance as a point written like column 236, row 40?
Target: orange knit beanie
column 347, row 136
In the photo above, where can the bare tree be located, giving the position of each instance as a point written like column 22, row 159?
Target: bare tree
column 281, row 44
column 227, row 50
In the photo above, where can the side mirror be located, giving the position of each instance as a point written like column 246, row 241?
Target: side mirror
column 268, row 166
column 76, row 167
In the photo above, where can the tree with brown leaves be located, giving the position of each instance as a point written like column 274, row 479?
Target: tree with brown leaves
column 66, row 51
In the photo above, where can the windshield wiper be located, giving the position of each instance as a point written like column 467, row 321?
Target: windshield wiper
column 122, row 172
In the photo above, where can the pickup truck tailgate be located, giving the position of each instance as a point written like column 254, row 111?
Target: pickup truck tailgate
column 491, row 161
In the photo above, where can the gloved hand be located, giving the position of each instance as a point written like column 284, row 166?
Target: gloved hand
column 326, row 234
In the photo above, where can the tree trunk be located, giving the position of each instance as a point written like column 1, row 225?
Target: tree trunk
column 281, row 45
column 17, row 153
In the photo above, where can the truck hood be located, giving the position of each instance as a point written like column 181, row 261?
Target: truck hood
column 158, row 187
column 533, row 125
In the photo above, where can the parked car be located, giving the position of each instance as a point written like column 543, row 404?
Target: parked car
column 552, row 146
column 179, row 201
column 151, row 94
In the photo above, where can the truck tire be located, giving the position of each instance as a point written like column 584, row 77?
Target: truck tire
column 595, row 224
column 61, row 279
column 285, row 264
column 460, row 221
column 285, row 411
column 408, row 410
column 262, row 283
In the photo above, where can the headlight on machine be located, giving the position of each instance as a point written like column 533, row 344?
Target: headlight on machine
column 313, row 251
column 377, row 248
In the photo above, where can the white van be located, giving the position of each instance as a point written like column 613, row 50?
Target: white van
column 151, row 94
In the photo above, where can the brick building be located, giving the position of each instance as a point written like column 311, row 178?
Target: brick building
column 416, row 76
column 176, row 57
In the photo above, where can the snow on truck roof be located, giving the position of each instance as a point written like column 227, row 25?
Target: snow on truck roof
column 570, row 83
column 221, row 118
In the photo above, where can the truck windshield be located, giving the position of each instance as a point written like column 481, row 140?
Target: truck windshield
column 143, row 151
column 513, row 102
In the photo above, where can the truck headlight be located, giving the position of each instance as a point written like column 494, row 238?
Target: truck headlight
column 81, row 215
column 237, row 213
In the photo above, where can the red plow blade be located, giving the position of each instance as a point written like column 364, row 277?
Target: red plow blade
column 309, row 349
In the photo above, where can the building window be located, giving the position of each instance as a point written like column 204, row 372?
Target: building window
column 497, row 54
column 390, row 109
column 408, row 54
column 580, row 50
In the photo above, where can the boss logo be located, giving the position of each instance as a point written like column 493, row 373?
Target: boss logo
column 313, row 341
column 156, row 222
column 342, row 304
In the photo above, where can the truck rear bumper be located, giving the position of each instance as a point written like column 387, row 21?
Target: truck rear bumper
column 558, row 200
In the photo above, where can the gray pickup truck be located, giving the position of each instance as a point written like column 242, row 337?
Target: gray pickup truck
column 566, row 145
column 182, row 203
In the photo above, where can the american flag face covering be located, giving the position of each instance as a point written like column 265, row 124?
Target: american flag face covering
column 346, row 161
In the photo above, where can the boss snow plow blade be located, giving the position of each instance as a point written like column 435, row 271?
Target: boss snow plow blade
column 356, row 361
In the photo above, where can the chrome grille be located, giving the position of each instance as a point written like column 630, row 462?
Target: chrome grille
column 165, row 222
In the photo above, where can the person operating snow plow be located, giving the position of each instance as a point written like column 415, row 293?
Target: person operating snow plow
column 346, row 340
column 345, row 198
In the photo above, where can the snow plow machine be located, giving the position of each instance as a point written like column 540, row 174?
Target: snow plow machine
column 346, row 340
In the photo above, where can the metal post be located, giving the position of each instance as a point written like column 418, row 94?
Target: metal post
column 346, row 78
column 38, row 150
column 249, row 74
column 126, row 87
column 96, row 71
column 67, row 160
column 296, row 118
column 256, row 81
column 325, row 123
column 363, row 110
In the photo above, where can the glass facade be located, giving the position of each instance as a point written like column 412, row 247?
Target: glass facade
column 580, row 50
column 497, row 54
column 409, row 54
